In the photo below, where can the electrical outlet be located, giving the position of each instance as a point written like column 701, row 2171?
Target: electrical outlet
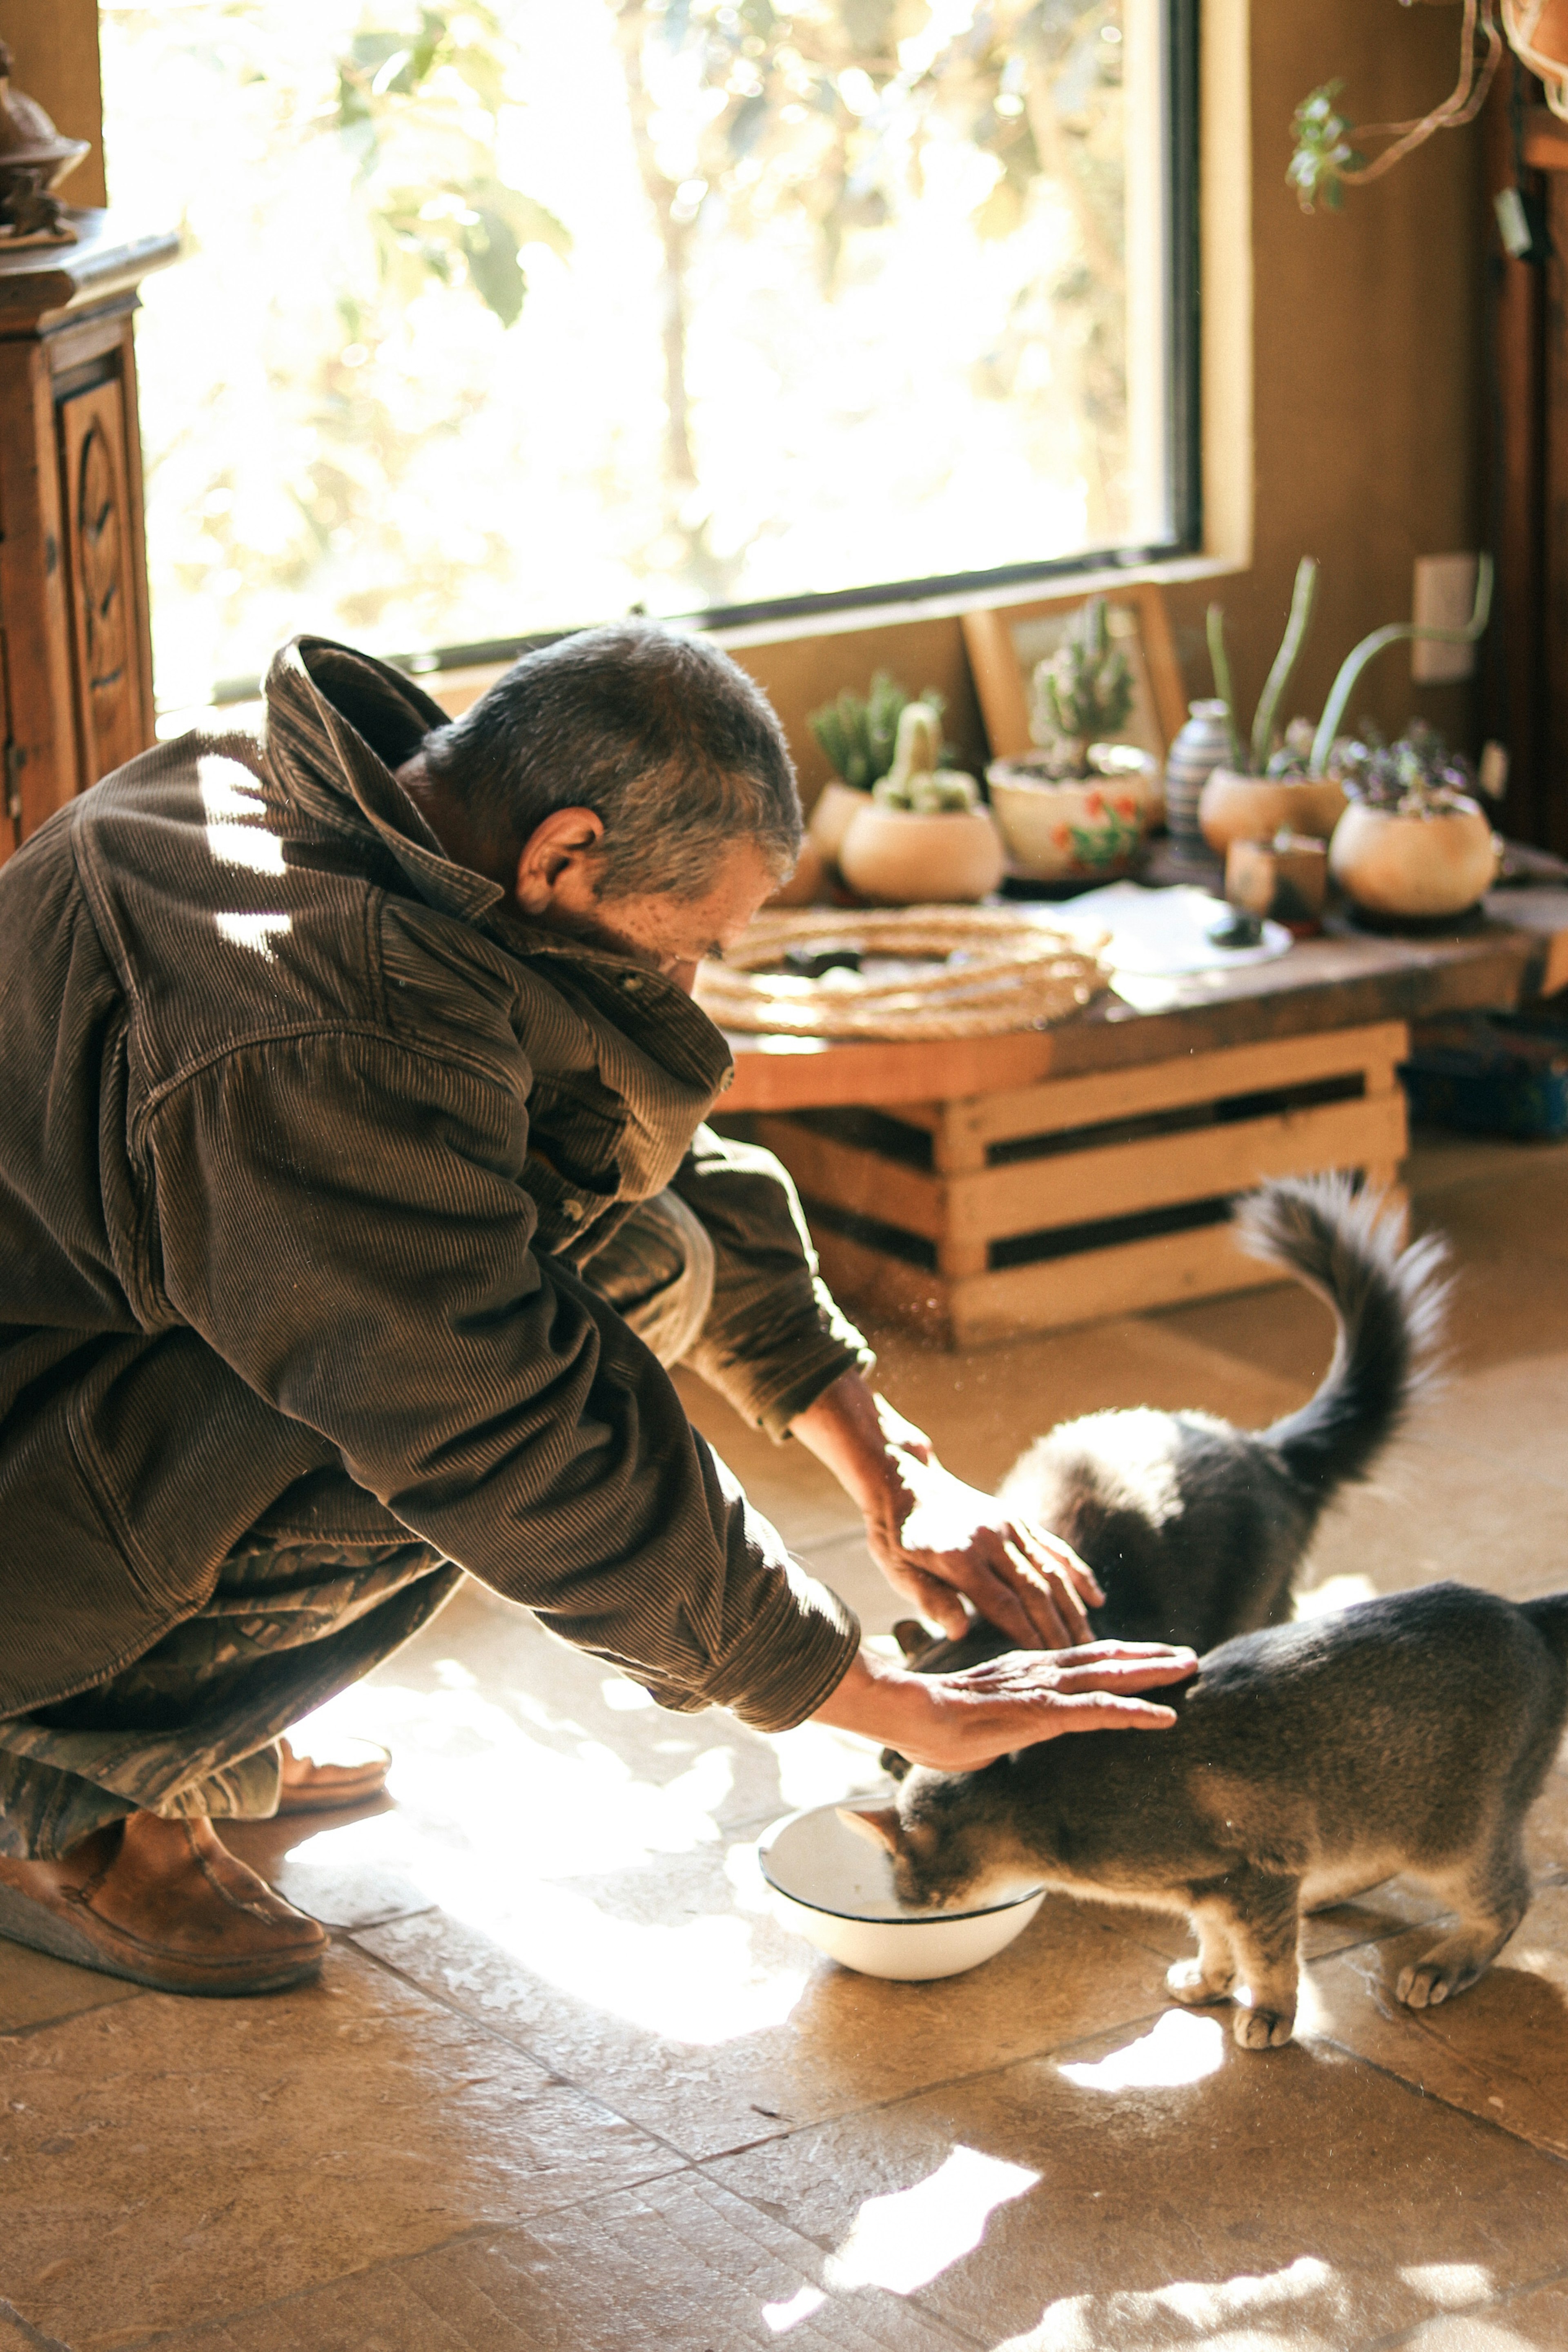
column 1444, row 599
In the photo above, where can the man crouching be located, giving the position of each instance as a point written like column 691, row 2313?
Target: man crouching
column 354, row 1193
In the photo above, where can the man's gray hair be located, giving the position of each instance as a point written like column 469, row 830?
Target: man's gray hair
column 673, row 747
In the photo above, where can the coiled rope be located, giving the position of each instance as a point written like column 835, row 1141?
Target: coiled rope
column 990, row 971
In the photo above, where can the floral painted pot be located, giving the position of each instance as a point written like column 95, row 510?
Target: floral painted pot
column 1074, row 828
column 905, row 857
column 1255, row 808
column 1427, row 864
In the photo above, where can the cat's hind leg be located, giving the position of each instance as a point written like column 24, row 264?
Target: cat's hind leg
column 1491, row 1896
column 1213, row 1974
column 1259, row 1914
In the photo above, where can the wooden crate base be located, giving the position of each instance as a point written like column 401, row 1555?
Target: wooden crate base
column 1015, row 1196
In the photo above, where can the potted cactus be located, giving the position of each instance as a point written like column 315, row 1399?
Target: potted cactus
column 859, row 734
column 1077, row 808
column 1265, row 787
column 923, row 836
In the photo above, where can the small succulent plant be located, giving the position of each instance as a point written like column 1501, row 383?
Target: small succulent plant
column 1323, row 154
column 1416, row 776
column 1083, row 691
column 915, row 782
column 859, row 732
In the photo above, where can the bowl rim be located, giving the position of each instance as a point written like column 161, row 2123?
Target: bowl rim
column 861, row 1918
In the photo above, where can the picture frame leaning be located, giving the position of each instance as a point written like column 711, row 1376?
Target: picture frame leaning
column 1004, row 644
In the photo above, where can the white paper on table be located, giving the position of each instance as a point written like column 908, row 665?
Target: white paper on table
column 1159, row 934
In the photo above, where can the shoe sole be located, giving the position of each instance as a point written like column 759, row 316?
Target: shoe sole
column 23, row 1920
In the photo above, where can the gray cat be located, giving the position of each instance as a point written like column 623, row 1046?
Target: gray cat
column 1307, row 1761
column 1195, row 1528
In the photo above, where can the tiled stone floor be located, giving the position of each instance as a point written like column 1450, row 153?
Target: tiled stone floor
column 566, row 2087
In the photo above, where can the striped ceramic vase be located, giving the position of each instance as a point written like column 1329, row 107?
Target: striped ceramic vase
column 1202, row 745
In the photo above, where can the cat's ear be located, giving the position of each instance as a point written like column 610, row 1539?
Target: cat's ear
column 912, row 1638
column 880, row 1824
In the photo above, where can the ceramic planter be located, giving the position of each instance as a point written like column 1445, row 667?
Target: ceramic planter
column 836, row 807
column 904, row 858
column 1255, row 808
column 1073, row 829
column 1198, row 748
column 1417, row 866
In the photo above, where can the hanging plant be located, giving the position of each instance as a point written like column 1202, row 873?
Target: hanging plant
column 1326, row 162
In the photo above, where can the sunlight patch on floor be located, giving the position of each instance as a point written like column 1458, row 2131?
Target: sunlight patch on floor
column 780, row 2317
column 906, row 2239
column 1180, row 2049
column 468, row 1776
column 1450, row 2285
column 1089, row 2322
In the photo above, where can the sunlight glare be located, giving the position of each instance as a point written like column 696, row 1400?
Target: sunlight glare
column 1133, row 2321
column 780, row 2317
column 699, row 1983
column 254, row 931
column 624, row 1697
column 1450, row 2286
column 1179, row 2050
column 1335, row 1593
column 901, row 2241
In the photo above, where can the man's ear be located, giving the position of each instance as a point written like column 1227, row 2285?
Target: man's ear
column 566, row 838
column 880, row 1824
column 912, row 1638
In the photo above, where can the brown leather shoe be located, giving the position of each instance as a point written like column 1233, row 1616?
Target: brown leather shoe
column 322, row 1775
column 163, row 1903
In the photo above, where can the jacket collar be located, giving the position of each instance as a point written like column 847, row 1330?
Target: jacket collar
column 338, row 722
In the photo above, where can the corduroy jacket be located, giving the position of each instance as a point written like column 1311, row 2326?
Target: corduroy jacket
column 304, row 1137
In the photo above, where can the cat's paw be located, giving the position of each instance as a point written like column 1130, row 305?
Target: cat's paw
column 1426, row 1983
column 1185, row 1980
column 1263, row 2029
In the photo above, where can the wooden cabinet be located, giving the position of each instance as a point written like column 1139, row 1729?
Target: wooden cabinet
column 76, row 657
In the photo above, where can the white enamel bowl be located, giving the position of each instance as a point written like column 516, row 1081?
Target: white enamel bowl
column 835, row 1887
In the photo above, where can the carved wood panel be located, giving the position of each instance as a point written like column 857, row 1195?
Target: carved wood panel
column 103, row 571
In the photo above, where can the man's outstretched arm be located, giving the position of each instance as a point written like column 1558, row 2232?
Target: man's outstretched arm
column 935, row 1538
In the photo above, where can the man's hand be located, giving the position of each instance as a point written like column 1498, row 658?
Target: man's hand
column 959, row 1722
column 934, row 1538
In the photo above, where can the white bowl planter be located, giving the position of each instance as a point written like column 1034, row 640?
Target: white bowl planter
column 836, row 1889
column 1255, row 808
column 1420, row 864
column 906, row 858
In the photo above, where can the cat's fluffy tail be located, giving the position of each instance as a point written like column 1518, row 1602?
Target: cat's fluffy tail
column 1388, row 1301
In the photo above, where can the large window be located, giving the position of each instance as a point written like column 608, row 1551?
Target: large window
column 500, row 316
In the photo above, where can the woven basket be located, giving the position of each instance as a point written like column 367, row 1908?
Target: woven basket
column 1003, row 972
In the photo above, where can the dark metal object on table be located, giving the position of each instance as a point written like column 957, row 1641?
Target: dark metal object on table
column 34, row 159
column 803, row 963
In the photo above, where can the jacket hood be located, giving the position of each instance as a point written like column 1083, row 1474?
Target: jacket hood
column 338, row 724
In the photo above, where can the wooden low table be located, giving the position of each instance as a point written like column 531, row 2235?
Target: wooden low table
column 1000, row 1185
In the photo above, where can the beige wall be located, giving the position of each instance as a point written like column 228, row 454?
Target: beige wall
column 1368, row 383
column 54, row 48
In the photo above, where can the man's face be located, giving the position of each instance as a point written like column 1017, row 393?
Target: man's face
column 671, row 933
